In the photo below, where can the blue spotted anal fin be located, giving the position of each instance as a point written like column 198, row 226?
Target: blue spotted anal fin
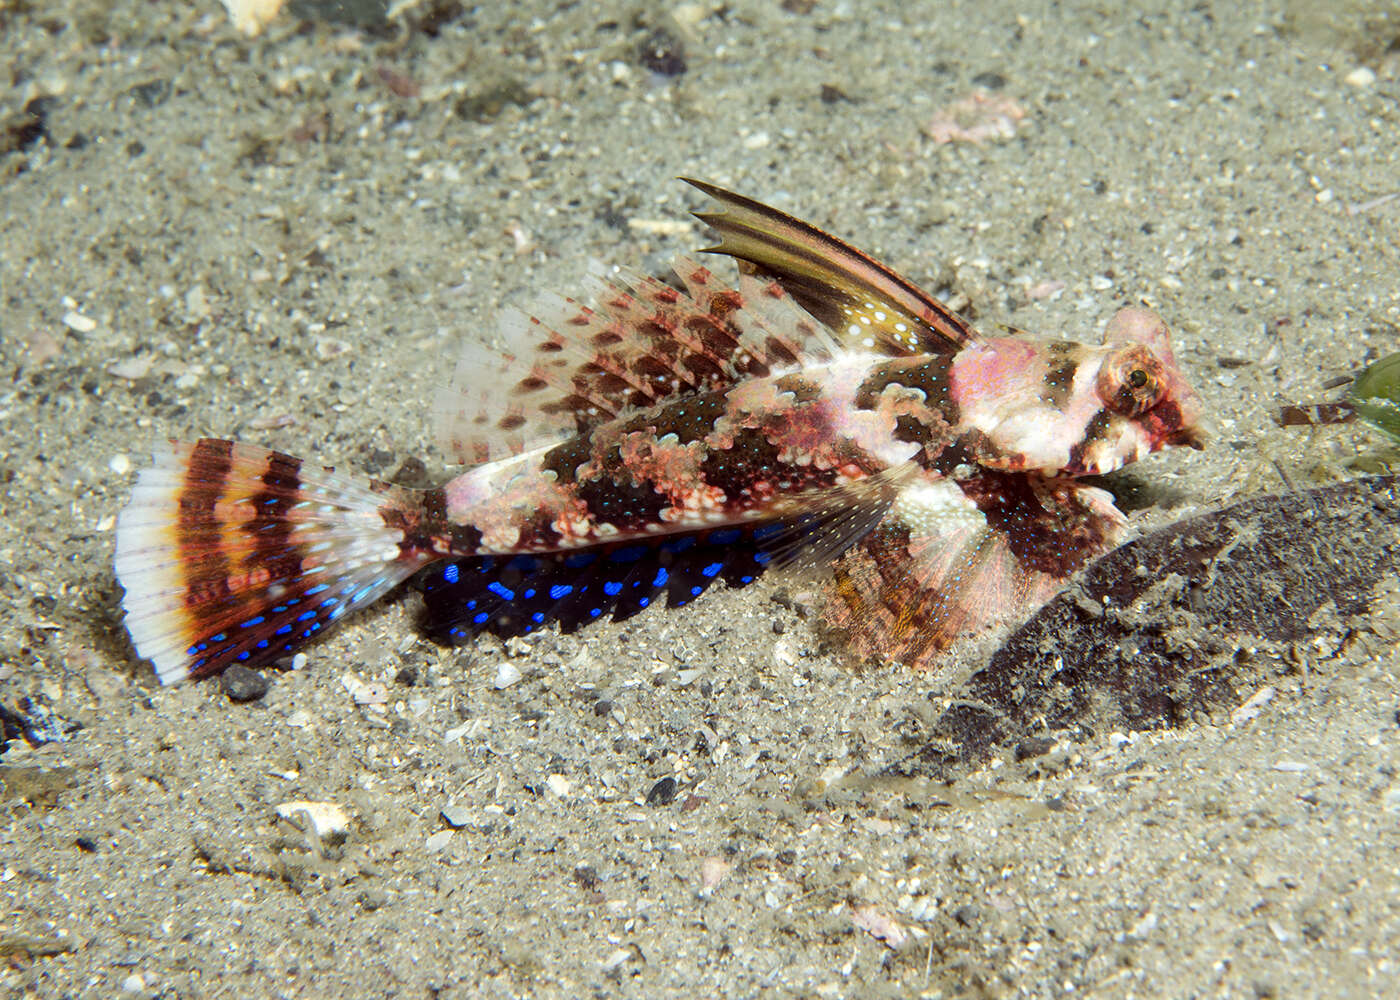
column 516, row 595
column 507, row 596
column 235, row 554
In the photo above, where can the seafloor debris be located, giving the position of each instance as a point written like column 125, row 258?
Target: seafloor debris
column 251, row 16
column 1180, row 623
column 977, row 118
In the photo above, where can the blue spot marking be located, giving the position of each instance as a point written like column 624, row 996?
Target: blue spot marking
column 363, row 593
column 696, row 591
column 253, row 621
column 762, row 558
column 746, row 579
column 329, row 602
column 283, row 630
column 644, row 602
column 594, row 612
column 712, row 570
column 306, row 616
column 529, row 593
column 218, row 638
column 480, row 617
column 580, row 559
column 661, row 577
column 192, row 650
column 244, row 655
column 317, row 589
column 262, row 644
column 471, row 604
column 279, row 609
column 630, row 554
column 769, row 530
column 199, row 663
column 725, row 537
column 560, row 590
column 501, row 590
column 537, row 617
column 612, row 589
column 451, row 574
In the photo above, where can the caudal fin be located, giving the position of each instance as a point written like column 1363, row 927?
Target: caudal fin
column 235, row 554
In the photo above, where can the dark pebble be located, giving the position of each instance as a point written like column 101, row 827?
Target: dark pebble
column 587, row 877
column 992, row 81
column 662, row 53
column 1034, row 746
column 966, row 914
column 663, row 793
column 242, row 684
column 406, row 677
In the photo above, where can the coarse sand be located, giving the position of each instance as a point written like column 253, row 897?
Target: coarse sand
column 283, row 239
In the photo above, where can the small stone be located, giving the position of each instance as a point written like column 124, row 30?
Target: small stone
column 506, row 675
column 437, row 841
column 120, row 464
column 241, row 684
column 663, row 793
column 712, row 872
column 559, row 785
column 662, row 53
column 134, row 983
column 456, row 816
column 1362, row 76
column 373, row 898
column 132, row 368
column 327, row 820
column 79, row 323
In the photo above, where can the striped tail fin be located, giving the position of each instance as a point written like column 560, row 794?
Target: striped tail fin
column 234, row 554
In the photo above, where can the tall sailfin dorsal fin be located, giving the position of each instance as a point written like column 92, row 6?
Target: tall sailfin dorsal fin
column 864, row 302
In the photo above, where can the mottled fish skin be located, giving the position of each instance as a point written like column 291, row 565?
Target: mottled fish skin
column 826, row 410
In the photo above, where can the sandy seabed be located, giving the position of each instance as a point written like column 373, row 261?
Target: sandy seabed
column 283, row 239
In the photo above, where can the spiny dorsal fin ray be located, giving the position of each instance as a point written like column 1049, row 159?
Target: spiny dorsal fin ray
column 570, row 366
column 841, row 286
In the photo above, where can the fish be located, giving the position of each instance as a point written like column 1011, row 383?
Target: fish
column 639, row 443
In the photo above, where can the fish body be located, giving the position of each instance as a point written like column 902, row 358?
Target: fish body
column 824, row 411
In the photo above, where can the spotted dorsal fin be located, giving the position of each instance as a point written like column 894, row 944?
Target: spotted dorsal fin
column 865, row 303
column 567, row 366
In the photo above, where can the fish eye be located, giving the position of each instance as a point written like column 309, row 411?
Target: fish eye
column 1130, row 382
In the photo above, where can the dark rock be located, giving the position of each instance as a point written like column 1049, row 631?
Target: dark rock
column 663, row 793
column 242, row 684
column 662, row 53
column 1156, row 632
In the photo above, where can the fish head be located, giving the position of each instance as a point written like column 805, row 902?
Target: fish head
column 1064, row 408
column 1145, row 403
